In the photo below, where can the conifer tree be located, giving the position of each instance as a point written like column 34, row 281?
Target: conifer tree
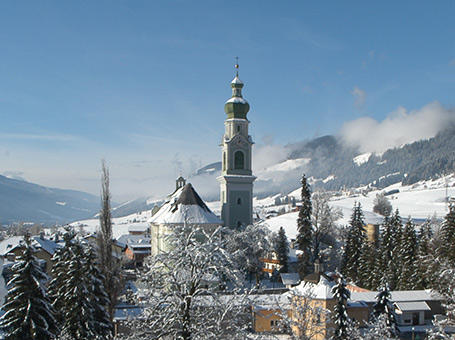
column 78, row 292
column 282, row 250
column 99, row 299
column 407, row 279
column 78, row 309
column 367, row 268
column 341, row 319
column 28, row 310
column 304, row 236
column 383, row 306
column 447, row 235
column 356, row 237
column 389, row 249
column 424, row 253
column 60, row 260
column 385, row 250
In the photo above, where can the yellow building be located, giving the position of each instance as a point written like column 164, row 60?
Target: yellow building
column 268, row 312
column 308, row 310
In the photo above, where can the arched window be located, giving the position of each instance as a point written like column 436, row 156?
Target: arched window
column 239, row 160
column 239, row 200
column 224, row 161
column 239, row 224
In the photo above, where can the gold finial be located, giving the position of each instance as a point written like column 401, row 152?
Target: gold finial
column 237, row 66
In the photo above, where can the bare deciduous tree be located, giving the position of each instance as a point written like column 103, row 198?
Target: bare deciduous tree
column 382, row 205
column 323, row 219
column 109, row 265
column 182, row 294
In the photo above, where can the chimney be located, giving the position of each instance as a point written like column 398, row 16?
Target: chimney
column 318, row 266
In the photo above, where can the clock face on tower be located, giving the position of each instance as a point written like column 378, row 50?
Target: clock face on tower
column 240, row 142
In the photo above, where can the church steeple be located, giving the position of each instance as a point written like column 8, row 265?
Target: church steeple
column 236, row 180
column 236, row 106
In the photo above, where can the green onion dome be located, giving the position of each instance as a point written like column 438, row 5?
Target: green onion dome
column 236, row 107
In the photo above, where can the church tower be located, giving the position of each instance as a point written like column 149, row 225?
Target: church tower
column 236, row 180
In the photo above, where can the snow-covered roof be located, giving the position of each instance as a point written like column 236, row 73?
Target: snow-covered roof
column 37, row 242
column 412, row 306
column 134, row 240
column 290, row 278
column 45, row 244
column 398, row 296
column 271, row 301
column 9, row 244
column 321, row 290
column 138, row 228
column 125, row 312
column 185, row 206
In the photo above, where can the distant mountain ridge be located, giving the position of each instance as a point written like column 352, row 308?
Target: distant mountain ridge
column 21, row 201
column 332, row 165
column 421, row 160
column 326, row 161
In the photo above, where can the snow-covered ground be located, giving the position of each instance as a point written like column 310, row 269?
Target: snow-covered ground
column 420, row 201
column 120, row 225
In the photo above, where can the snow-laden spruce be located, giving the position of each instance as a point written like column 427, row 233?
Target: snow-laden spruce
column 340, row 314
column 78, row 292
column 28, row 311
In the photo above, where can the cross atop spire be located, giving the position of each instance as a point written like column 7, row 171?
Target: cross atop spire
column 237, row 66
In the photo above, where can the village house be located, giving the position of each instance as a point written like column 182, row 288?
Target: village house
column 137, row 248
column 13, row 247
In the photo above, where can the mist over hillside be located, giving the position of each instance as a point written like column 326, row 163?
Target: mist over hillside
column 327, row 161
column 331, row 164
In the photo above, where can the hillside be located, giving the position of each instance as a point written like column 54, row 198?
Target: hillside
column 326, row 161
column 420, row 201
column 331, row 165
column 21, row 201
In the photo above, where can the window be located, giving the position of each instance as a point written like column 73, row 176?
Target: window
column 239, row 200
column 239, row 224
column 239, row 160
column 275, row 324
column 238, row 128
column 224, row 161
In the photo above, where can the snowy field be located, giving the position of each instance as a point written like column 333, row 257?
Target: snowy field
column 420, row 201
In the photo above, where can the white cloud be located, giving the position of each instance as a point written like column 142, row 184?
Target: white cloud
column 359, row 95
column 398, row 128
column 267, row 155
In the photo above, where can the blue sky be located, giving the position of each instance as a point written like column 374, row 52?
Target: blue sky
column 143, row 83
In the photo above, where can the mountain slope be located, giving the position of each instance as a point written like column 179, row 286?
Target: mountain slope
column 28, row 202
column 326, row 161
column 329, row 164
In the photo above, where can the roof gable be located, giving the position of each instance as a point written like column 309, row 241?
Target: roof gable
column 185, row 206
